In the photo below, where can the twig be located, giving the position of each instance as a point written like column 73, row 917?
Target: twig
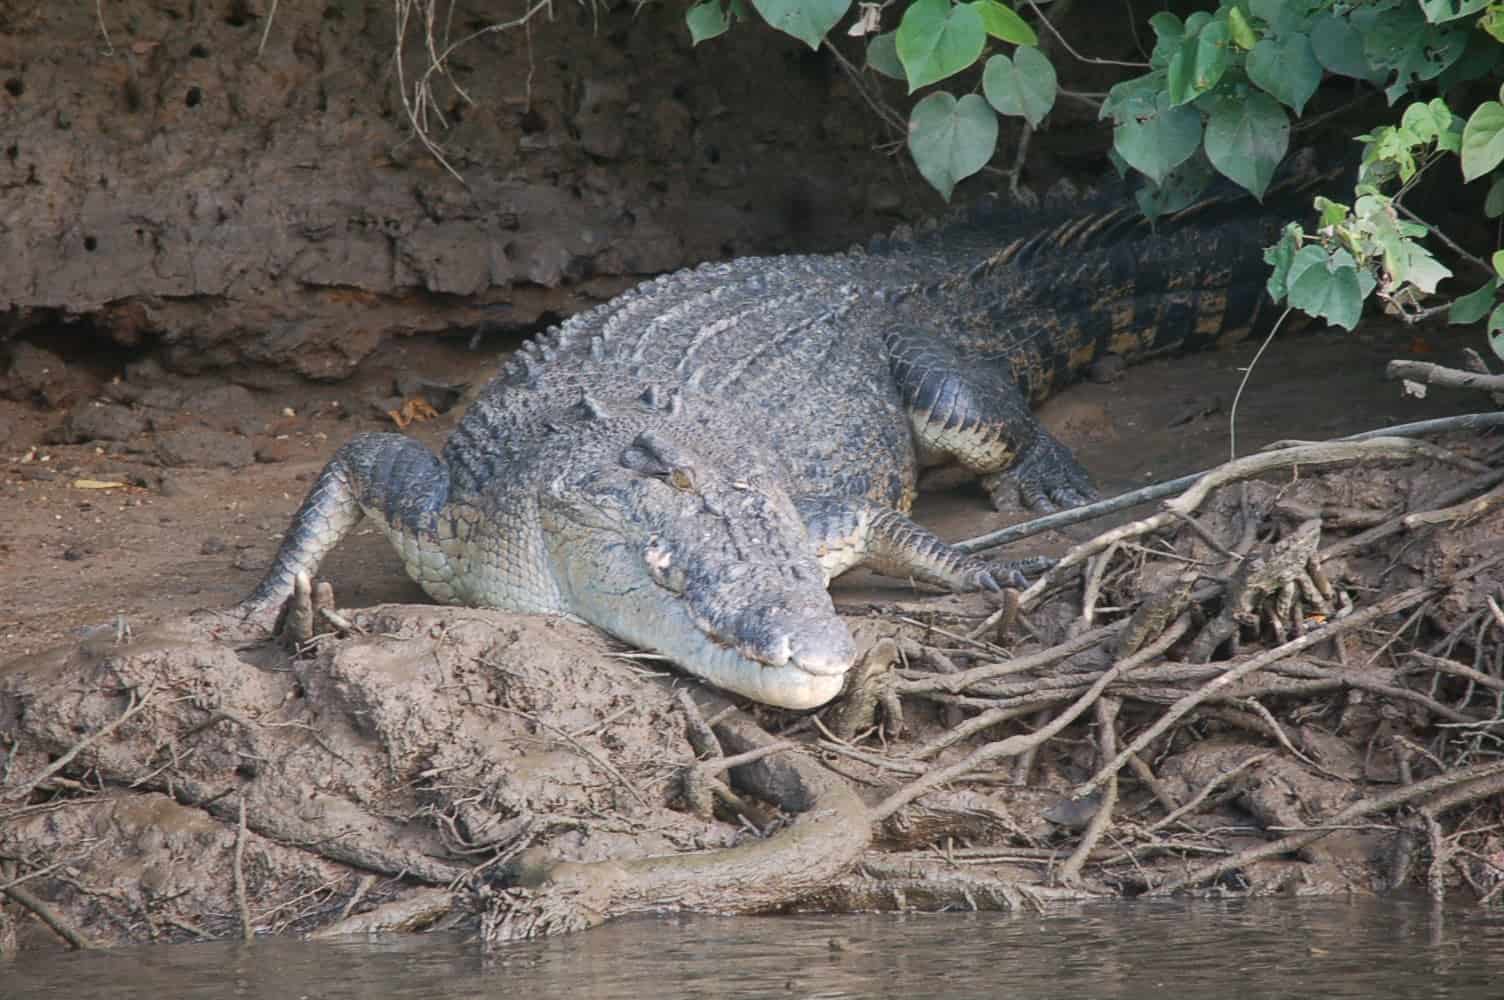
column 1065, row 518
column 44, row 913
column 1107, row 717
column 1076, row 55
column 719, row 764
column 247, row 931
column 1359, row 809
column 1015, row 745
column 1391, row 604
column 1450, row 378
column 1237, row 397
column 1206, row 790
column 271, row 16
column 135, row 705
column 1322, row 453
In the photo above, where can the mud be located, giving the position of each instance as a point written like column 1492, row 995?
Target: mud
column 434, row 767
column 239, row 184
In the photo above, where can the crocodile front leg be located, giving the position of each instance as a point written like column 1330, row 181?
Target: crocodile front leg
column 852, row 532
column 387, row 477
column 977, row 416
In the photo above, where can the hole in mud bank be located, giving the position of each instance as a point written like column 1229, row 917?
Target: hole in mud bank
column 12, row 152
column 194, row 97
column 712, row 154
column 91, row 244
column 91, row 348
column 532, row 122
column 240, row 14
column 199, row 52
column 15, row 86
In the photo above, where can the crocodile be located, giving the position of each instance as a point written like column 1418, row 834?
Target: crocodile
column 689, row 464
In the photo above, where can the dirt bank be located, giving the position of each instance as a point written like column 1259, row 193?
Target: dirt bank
column 226, row 186
column 432, row 767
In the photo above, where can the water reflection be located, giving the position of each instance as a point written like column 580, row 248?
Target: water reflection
column 1263, row 949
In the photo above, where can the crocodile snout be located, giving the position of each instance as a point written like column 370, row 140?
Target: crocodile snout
column 816, row 644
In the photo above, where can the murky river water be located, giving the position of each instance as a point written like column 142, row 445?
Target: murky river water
column 1284, row 948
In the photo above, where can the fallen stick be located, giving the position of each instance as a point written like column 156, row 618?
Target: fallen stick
column 1015, row 745
column 1326, row 453
column 1395, row 602
column 1450, row 378
column 1157, row 491
column 1359, row 809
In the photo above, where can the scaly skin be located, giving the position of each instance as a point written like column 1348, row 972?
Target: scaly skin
column 687, row 465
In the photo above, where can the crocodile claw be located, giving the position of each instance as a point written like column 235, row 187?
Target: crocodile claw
column 1014, row 573
column 1047, row 478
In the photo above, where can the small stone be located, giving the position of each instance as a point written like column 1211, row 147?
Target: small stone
column 205, row 448
column 276, row 450
column 73, row 553
column 98, row 422
column 212, row 546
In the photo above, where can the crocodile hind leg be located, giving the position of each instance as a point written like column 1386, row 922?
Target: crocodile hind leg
column 388, row 477
column 977, row 416
column 854, row 532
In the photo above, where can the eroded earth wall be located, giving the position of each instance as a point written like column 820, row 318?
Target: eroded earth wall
column 177, row 185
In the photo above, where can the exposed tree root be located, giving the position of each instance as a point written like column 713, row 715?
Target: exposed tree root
column 829, row 831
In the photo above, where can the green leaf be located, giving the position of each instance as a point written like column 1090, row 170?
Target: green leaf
column 1397, row 37
column 950, row 140
column 1496, row 331
column 1246, row 140
column 1423, row 270
column 1169, row 32
column 1160, row 140
column 1133, row 98
column 1180, row 188
column 1199, row 62
column 1279, row 257
column 806, row 20
column 1473, row 306
column 1338, row 46
column 1326, row 286
column 936, row 40
column 1023, row 86
column 1002, row 23
column 1426, row 121
column 1498, row 262
column 882, row 55
column 1493, row 205
column 706, row 21
column 1438, row 11
column 1286, row 68
column 1333, row 213
column 1483, row 140
column 1240, row 30
column 1493, row 23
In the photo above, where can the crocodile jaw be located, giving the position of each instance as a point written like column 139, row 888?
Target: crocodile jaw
column 817, row 649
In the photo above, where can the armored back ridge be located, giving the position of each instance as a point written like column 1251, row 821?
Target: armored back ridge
column 687, row 465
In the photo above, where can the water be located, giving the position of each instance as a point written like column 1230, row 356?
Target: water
column 1374, row 949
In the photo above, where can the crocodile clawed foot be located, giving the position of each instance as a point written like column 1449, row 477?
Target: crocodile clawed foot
column 1046, row 478
column 310, row 612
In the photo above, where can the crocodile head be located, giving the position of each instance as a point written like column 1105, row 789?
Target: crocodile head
column 706, row 564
